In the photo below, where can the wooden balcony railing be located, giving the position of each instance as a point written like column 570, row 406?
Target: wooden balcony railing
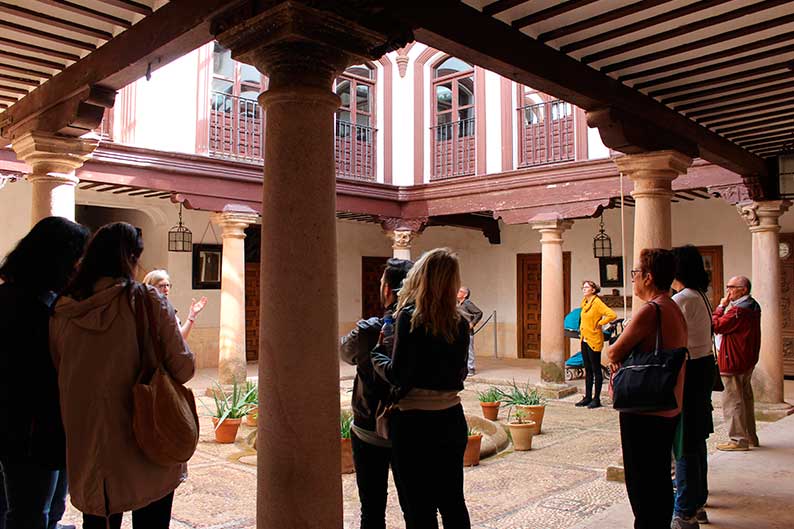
column 453, row 149
column 235, row 128
column 546, row 133
column 354, row 151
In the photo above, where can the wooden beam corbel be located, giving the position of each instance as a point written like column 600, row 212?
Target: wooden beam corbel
column 487, row 225
column 628, row 134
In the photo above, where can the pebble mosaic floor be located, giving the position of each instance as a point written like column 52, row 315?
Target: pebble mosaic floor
column 558, row 484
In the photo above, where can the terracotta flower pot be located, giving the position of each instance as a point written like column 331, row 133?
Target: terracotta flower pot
column 490, row 410
column 227, row 431
column 535, row 414
column 522, row 434
column 252, row 416
column 347, row 457
column 471, row 457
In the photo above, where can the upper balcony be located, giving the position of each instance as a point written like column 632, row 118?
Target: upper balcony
column 546, row 133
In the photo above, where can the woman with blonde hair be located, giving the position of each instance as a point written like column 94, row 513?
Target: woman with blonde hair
column 428, row 364
column 595, row 314
column 161, row 281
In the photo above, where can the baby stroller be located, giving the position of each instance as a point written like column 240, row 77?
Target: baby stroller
column 574, row 366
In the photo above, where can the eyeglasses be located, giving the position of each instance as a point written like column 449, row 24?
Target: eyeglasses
column 634, row 273
column 162, row 286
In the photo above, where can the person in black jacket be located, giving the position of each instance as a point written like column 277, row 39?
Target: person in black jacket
column 371, row 452
column 428, row 362
column 32, row 445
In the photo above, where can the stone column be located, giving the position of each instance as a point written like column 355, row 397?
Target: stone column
column 231, row 355
column 53, row 161
column 301, row 50
column 763, row 220
column 552, row 306
column 652, row 174
column 402, row 243
column 402, row 233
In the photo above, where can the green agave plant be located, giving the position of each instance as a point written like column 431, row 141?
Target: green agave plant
column 234, row 405
column 526, row 396
column 346, row 424
column 492, row 394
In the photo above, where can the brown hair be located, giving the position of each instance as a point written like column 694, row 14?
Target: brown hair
column 660, row 263
column 592, row 284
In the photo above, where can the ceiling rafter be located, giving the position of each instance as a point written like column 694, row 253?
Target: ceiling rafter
column 732, row 97
column 129, row 5
column 59, row 39
column 765, row 139
column 759, row 133
column 52, row 21
column 21, row 80
column 748, row 116
column 32, row 60
column 698, row 44
column 751, row 125
column 707, row 114
column 24, row 46
column 13, row 89
column 550, row 12
column 722, row 79
column 72, row 7
column 494, row 8
column 24, row 71
column 603, row 18
column 728, row 87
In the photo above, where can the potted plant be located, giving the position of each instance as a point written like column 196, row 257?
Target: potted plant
column 521, row 431
column 346, row 423
column 528, row 400
column 252, row 394
column 490, row 402
column 229, row 411
column 471, row 457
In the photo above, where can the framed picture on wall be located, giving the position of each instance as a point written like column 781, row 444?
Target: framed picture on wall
column 207, row 259
column 611, row 271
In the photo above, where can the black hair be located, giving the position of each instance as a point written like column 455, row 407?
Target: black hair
column 113, row 251
column 45, row 258
column 689, row 269
column 395, row 272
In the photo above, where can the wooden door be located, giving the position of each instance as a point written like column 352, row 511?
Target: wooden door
column 529, row 292
column 252, row 311
column 712, row 261
column 371, row 272
column 787, row 300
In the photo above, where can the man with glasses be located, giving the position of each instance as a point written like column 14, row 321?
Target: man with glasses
column 738, row 320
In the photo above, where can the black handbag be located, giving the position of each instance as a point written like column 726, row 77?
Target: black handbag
column 646, row 380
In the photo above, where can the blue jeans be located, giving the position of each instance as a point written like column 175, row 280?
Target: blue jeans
column 35, row 496
column 691, row 483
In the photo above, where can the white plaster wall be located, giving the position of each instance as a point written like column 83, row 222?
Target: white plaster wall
column 595, row 147
column 493, row 122
column 166, row 107
column 15, row 210
column 403, row 120
column 379, row 119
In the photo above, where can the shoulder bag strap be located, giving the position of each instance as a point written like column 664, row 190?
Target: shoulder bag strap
column 137, row 305
column 153, row 330
column 658, row 326
column 711, row 322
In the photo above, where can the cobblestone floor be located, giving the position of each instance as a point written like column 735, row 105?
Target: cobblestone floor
column 558, row 484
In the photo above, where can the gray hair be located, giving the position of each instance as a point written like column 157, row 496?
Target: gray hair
column 155, row 276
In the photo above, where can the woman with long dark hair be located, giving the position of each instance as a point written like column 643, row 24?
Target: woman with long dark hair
column 594, row 315
column 428, row 363
column 691, row 466
column 647, row 437
column 32, row 450
column 95, row 346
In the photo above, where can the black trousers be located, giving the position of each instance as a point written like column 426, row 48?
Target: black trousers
column 156, row 515
column 428, row 451
column 592, row 371
column 372, row 477
column 647, row 441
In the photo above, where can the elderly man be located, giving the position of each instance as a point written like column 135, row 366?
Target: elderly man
column 473, row 315
column 738, row 320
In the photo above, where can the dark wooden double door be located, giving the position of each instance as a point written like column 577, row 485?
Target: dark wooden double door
column 529, row 284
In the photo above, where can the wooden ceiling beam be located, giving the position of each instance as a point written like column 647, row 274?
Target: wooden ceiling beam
column 684, row 29
column 597, row 20
column 766, row 139
column 494, row 8
column 9, row 99
column 491, row 44
column 749, row 106
column 550, row 12
column 722, row 79
column 129, row 5
column 72, row 7
column 698, row 44
column 21, row 80
column 13, row 89
column 642, row 24
column 732, row 97
column 751, row 125
column 23, row 46
column 24, row 71
column 58, row 39
column 775, row 52
column 783, row 127
column 747, row 117
column 728, row 87
column 35, row 61
column 52, row 21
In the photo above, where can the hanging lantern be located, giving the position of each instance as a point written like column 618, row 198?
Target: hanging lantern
column 180, row 239
column 602, row 244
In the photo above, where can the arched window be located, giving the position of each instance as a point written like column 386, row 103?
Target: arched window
column 453, row 119
column 546, row 129
column 355, row 123
column 236, row 119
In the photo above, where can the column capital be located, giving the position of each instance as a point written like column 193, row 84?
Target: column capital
column 53, row 156
column 655, row 165
column 402, row 239
column 550, row 227
column 233, row 220
column 416, row 224
column 762, row 216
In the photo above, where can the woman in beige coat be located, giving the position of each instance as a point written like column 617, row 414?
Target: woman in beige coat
column 95, row 347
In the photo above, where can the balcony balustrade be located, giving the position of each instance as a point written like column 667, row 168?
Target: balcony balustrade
column 354, row 151
column 453, row 149
column 546, row 133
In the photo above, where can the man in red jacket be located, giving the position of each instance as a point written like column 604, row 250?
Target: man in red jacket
column 738, row 320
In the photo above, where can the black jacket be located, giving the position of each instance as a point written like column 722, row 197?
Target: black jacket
column 420, row 360
column 368, row 389
column 30, row 415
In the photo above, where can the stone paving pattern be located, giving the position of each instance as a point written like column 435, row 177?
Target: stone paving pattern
column 560, row 483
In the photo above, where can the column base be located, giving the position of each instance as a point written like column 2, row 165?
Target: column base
column 550, row 390
column 771, row 412
column 616, row 473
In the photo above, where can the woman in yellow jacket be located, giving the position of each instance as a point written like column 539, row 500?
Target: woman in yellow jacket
column 595, row 314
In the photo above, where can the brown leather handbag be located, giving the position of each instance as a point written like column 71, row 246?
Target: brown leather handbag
column 164, row 420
